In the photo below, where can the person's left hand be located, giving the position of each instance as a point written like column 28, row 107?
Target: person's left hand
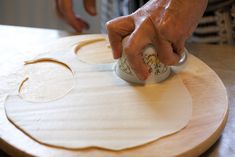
column 65, row 10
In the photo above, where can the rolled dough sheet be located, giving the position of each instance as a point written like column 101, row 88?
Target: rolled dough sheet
column 104, row 111
column 46, row 80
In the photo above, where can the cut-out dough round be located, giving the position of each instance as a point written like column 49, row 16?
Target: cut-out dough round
column 46, row 80
column 121, row 116
column 94, row 51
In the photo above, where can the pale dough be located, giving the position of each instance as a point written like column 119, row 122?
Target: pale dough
column 101, row 110
column 112, row 114
column 46, row 80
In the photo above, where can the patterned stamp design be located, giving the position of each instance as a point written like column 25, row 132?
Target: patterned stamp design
column 150, row 59
column 123, row 66
column 153, row 62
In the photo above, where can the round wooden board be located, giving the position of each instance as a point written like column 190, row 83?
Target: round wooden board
column 210, row 109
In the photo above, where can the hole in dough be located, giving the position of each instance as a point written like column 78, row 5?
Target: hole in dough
column 94, row 51
column 46, row 80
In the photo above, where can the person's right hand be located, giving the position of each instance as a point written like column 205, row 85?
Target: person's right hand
column 64, row 10
column 165, row 24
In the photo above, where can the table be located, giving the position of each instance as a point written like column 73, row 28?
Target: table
column 219, row 58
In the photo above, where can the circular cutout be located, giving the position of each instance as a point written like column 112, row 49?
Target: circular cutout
column 47, row 80
column 94, row 51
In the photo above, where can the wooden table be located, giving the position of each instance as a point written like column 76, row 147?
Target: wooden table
column 219, row 58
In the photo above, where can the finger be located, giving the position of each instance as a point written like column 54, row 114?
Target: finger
column 178, row 47
column 77, row 23
column 58, row 9
column 66, row 7
column 90, row 6
column 81, row 23
column 117, row 29
column 166, row 52
column 134, row 48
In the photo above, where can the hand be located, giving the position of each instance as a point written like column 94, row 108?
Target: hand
column 64, row 10
column 165, row 24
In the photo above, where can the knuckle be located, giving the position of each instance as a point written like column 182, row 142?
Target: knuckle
column 113, row 24
column 110, row 25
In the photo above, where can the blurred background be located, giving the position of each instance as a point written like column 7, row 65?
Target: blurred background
column 41, row 13
column 216, row 27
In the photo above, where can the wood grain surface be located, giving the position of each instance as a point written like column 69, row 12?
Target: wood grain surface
column 210, row 107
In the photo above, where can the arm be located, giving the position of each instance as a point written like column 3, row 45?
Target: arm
column 166, row 24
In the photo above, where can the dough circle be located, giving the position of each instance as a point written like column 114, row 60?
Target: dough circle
column 46, row 80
